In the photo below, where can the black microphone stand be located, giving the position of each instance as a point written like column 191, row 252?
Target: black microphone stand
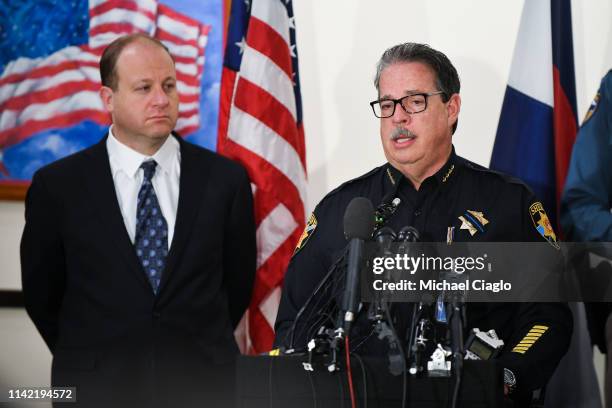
column 421, row 327
column 456, row 323
column 379, row 312
column 314, row 294
column 421, row 323
column 359, row 220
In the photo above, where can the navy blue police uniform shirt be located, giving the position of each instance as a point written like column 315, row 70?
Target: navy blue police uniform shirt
column 496, row 208
column 587, row 196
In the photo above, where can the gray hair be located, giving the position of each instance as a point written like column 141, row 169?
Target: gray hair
column 447, row 79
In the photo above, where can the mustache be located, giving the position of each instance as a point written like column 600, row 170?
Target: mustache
column 401, row 132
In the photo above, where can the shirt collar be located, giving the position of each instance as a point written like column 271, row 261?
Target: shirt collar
column 442, row 176
column 129, row 160
column 447, row 171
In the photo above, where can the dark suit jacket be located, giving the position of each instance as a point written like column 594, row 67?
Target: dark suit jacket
column 88, row 296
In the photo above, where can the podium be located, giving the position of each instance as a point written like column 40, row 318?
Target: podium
column 266, row 381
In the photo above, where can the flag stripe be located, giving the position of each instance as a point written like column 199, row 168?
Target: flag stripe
column 185, row 107
column 185, row 120
column 269, row 306
column 185, row 89
column 105, row 30
column 187, row 98
column 272, row 272
column 166, row 36
column 531, row 69
column 184, row 112
column 186, row 67
column 180, row 24
column 271, row 44
column 272, row 185
column 23, row 66
column 565, row 129
column 43, row 111
column 273, row 231
column 274, row 14
column 269, row 111
column 26, row 86
column 148, row 8
column 21, row 102
column 269, row 145
column 264, row 73
column 259, row 331
column 20, row 133
column 563, row 50
column 565, row 117
column 188, row 80
column 47, row 71
column 143, row 22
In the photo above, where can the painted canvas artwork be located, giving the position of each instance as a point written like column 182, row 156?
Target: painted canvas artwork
column 49, row 81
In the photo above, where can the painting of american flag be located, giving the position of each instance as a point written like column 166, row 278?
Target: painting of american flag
column 261, row 126
column 49, row 81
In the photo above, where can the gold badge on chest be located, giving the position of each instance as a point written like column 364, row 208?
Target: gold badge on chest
column 473, row 222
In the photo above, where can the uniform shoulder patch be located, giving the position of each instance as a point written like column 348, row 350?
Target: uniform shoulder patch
column 311, row 225
column 592, row 107
column 542, row 224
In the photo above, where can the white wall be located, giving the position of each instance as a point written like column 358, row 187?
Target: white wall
column 339, row 43
column 11, row 225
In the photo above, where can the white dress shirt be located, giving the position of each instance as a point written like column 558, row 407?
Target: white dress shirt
column 127, row 176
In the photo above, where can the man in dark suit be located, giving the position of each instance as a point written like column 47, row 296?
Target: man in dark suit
column 138, row 254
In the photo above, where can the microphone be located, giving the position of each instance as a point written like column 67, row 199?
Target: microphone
column 358, row 227
column 408, row 234
column 384, row 237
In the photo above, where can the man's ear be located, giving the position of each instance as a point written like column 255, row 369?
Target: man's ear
column 106, row 94
column 453, row 106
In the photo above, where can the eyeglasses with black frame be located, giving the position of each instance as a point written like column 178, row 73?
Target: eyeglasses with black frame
column 413, row 103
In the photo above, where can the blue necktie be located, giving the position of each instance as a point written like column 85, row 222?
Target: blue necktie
column 151, row 240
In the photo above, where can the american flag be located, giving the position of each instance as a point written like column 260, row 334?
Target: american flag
column 261, row 126
column 60, row 89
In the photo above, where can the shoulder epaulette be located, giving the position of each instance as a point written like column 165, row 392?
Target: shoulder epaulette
column 503, row 176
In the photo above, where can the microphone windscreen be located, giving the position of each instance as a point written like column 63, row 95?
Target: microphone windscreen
column 385, row 232
column 359, row 219
column 409, row 233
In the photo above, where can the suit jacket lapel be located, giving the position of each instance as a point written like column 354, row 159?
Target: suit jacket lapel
column 193, row 181
column 100, row 185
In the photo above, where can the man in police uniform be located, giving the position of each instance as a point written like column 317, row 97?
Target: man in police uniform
column 446, row 198
column 586, row 203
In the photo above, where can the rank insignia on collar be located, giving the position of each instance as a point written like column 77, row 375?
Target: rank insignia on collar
column 308, row 231
column 473, row 221
column 542, row 223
